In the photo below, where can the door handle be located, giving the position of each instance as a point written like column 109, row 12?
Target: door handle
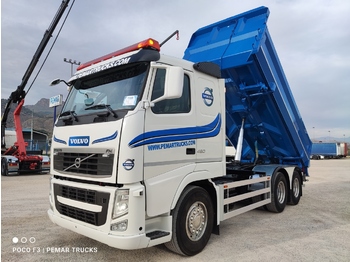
column 190, row 151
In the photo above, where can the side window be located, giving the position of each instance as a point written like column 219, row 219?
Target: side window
column 159, row 82
column 170, row 106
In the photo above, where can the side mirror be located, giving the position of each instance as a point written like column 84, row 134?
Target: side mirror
column 57, row 81
column 174, row 79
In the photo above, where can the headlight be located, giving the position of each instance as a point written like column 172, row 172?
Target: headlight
column 121, row 203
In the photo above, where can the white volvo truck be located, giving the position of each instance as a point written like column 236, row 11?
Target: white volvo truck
column 138, row 151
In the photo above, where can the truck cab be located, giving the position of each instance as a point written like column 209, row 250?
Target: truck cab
column 137, row 127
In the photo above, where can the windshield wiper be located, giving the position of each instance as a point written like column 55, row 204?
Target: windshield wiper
column 68, row 115
column 102, row 106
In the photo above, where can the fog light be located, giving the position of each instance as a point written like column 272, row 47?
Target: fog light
column 120, row 226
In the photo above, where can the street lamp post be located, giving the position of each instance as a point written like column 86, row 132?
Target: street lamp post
column 71, row 62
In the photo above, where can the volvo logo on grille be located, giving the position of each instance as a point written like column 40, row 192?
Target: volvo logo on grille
column 77, row 162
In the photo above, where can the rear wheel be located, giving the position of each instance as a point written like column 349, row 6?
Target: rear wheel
column 278, row 194
column 296, row 189
column 192, row 222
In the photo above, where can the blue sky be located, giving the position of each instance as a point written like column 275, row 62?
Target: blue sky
column 311, row 38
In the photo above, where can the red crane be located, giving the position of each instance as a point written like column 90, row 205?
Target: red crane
column 18, row 150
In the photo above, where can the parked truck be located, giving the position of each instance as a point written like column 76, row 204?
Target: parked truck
column 329, row 150
column 138, row 151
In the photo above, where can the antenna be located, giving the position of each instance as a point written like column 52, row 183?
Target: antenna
column 169, row 37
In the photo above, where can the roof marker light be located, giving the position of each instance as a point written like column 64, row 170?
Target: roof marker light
column 148, row 43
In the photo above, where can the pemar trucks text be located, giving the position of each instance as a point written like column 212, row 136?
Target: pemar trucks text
column 138, row 151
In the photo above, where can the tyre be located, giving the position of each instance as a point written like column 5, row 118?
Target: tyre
column 278, row 194
column 192, row 222
column 4, row 167
column 296, row 190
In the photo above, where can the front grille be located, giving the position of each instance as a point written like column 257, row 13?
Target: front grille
column 84, row 163
column 85, row 196
column 79, row 214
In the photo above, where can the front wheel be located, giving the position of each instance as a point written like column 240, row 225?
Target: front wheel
column 192, row 222
column 278, row 194
column 4, row 167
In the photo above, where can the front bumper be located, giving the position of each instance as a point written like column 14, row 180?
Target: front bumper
column 121, row 242
column 88, row 209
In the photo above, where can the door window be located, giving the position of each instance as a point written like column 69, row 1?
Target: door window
column 170, row 106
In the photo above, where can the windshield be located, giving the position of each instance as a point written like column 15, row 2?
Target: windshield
column 107, row 91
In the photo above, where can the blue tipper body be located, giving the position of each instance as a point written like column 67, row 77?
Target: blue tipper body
column 256, row 89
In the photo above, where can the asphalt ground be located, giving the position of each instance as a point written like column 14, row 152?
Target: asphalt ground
column 317, row 229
